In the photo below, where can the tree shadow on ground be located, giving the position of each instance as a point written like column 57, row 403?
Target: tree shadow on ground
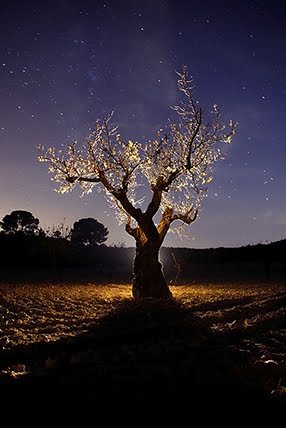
column 145, row 362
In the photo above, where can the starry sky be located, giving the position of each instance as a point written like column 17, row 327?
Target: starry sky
column 65, row 64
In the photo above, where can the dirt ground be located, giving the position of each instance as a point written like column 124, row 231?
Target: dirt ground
column 92, row 354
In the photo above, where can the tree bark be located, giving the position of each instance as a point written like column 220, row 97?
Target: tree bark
column 149, row 280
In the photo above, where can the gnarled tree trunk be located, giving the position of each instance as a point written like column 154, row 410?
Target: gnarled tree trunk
column 149, row 280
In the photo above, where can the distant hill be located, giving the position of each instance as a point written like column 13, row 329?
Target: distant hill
column 274, row 252
column 61, row 260
column 260, row 260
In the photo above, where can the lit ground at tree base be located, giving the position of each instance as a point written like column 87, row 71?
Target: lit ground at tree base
column 213, row 341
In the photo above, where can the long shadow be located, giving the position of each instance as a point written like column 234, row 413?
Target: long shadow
column 146, row 362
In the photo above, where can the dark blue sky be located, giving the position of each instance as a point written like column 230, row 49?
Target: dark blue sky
column 65, row 64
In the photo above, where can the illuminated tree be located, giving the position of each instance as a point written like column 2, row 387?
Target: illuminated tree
column 177, row 166
column 88, row 231
column 20, row 222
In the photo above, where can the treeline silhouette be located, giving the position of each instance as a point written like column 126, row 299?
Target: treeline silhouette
column 59, row 252
column 61, row 257
column 28, row 252
column 263, row 261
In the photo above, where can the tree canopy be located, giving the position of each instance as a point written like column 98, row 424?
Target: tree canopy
column 89, row 231
column 177, row 165
column 20, row 221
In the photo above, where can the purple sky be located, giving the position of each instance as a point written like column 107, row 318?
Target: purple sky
column 65, row 64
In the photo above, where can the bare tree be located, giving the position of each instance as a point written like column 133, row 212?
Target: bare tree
column 177, row 166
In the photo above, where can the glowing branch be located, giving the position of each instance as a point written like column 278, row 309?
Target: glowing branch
column 177, row 166
column 186, row 218
column 133, row 231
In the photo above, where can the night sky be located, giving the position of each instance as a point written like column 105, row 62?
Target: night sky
column 65, row 64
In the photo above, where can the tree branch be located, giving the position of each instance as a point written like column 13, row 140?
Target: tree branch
column 185, row 218
column 133, row 231
column 156, row 198
column 165, row 223
column 136, row 213
column 72, row 179
column 199, row 123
